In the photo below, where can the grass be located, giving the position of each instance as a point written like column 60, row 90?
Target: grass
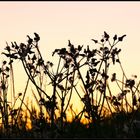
column 81, row 71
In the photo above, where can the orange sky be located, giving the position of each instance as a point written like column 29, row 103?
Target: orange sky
column 57, row 22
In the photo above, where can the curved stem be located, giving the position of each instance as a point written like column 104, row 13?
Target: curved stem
column 105, row 83
column 23, row 98
column 31, row 78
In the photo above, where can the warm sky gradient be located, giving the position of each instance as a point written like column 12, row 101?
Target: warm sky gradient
column 57, row 22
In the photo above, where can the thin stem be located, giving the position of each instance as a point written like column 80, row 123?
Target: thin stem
column 70, row 94
column 105, row 83
column 23, row 98
column 33, row 81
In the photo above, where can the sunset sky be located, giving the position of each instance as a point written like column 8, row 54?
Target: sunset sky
column 58, row 22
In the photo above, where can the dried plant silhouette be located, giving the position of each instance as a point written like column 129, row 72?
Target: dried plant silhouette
column 84, row 71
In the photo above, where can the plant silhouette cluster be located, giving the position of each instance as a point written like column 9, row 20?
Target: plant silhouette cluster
column 81, row 70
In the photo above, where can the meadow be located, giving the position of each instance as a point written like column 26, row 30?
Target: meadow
column 89, row 72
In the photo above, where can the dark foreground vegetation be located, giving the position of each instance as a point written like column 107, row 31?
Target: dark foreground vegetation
column 81, row 70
